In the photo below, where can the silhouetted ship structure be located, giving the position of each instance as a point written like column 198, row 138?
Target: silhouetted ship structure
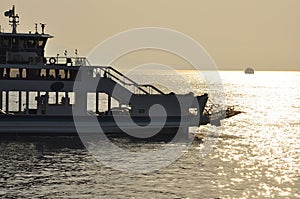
column 43, row 87
column 249, row 70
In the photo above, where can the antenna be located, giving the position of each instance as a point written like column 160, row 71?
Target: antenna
column 36, row 31
column 13, row 19
column 43, row 27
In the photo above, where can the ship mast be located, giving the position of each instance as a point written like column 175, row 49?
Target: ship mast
column 13, row 19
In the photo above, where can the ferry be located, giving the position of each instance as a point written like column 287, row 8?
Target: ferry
column 249, row 70
column 46, row 98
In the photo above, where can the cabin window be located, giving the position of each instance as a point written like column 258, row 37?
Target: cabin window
column 63, row 74
column 102, row 103
column 61, row 98
column 91, row 102
column 51, row 73
column 52, row 98
column 72, row 97
column 56, row 98
column 3, row 100
column 40, row 43
column 31, row 43
column 13, row 99
column 14, row 72
column 32, row 101
column 43, row 72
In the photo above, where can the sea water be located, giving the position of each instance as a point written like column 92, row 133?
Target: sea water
column 255, row 154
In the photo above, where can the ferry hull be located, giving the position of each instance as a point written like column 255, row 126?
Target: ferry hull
column 173, row 127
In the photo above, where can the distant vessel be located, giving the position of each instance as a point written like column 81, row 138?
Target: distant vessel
column 25, row 71
column 249, row 70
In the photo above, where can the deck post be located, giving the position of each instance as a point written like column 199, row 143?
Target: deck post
column 97, row 102
column 1, row 95
column 7, row 101
column 67, row 101
column 56, row 97
column 46, row 102
column 66, row 95
column 39, row 111
column 27, row 102
column 108, row 104
column 20, row 101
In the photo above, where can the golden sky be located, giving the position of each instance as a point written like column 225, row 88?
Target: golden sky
column 264, row 34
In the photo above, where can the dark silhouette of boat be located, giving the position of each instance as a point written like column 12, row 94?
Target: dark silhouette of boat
column 249, row 70
column 26, row 71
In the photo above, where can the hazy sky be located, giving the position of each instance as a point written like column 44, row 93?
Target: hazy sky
column 264, row 34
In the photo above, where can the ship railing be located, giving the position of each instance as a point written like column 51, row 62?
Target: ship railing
column 63, row 61
column 216, row 111
column 110, row 72
column 67, row 61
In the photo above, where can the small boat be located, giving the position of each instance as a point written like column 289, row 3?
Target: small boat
column 249, row 70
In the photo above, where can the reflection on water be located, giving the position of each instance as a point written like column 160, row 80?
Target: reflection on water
column 257, row 153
